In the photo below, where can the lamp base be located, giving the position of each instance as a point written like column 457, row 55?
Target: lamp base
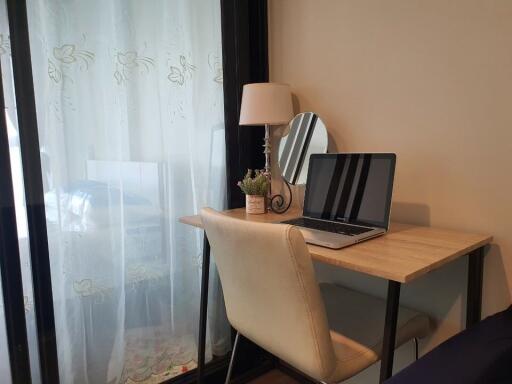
column 267, row 150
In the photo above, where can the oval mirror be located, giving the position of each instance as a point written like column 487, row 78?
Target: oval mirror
column 306, row 134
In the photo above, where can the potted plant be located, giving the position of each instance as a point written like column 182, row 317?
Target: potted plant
column 255, row 189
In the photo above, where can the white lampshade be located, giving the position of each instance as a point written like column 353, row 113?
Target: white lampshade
column 266, row 103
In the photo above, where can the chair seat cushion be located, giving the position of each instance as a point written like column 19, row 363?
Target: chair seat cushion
column 481, row 354
column 356, row 321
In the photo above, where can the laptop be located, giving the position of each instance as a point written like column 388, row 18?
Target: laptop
column 347, row 198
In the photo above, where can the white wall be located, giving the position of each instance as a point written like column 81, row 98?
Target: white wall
column 432, row 81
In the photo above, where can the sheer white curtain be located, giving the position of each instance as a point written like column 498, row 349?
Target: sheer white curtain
column 130, row 113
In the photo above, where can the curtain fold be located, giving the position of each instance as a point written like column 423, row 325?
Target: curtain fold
column 129, row 101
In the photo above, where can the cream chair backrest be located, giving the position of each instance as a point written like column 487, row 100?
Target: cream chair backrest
column 270, row 290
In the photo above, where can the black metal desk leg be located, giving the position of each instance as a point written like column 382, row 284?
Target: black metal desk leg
column 388, row 344
column 475, row 281
column 203, row 312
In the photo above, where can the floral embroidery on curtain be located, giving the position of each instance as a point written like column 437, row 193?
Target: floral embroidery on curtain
column 129, row 62
column 65, row 57
column 178, row 75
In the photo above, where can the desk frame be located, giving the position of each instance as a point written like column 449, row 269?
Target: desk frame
column 473, row 309
column 203, row 311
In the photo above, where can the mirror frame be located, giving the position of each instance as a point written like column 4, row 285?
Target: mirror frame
column 294, row 127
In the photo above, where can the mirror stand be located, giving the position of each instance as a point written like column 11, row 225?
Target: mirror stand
column 278, row 203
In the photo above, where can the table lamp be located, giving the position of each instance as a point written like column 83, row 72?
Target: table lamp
column 266, row 104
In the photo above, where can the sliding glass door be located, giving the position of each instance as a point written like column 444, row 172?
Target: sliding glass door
column 16, row 250
column 129, row 106
column 5, row 369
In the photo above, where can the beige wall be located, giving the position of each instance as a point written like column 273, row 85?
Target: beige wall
column 432, row 81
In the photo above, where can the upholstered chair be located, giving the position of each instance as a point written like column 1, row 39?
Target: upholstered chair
column 272, row 297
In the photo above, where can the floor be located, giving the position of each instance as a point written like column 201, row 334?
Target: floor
column 274, row 377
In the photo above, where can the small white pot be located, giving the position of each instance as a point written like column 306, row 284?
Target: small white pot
column 255, row 204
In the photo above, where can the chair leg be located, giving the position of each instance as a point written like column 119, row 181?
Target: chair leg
column 416, row 352
column 232, row 360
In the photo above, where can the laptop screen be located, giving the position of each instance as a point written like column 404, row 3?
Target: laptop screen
column 352, row 188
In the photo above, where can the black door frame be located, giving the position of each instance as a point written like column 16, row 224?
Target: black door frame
column 245, row 60
column 34, row 193
column 10, row 264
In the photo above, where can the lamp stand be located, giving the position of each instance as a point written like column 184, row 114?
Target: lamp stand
column 267, row 173
column 267, row 151
column 276, row 202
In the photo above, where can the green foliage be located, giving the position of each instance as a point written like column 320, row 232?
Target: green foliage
column 257, row 185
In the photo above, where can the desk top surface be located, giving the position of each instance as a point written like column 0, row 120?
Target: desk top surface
column 405, row 253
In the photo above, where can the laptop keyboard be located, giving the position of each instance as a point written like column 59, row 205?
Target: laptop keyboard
column 328, row 226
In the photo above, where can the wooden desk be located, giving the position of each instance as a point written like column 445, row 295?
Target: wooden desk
column 404, row 254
